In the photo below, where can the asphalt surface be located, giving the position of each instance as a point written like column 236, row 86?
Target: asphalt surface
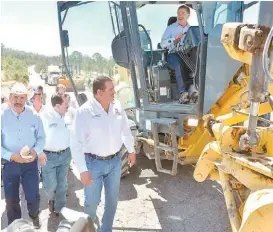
column 149, row 201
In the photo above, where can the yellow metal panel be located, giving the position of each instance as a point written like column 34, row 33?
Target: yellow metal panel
column 193, row 144
column 236, row 54
column 260, row 163
column 233, row 118
column 249, row 178
column 228, row 139
column 205, row 163
column 258, row 212
column 233, row 213
column 214, row 175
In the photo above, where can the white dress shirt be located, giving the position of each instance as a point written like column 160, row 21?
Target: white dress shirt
column 41, row 110
column 70, row 115
column 100, row 133
column 170, row 33
column 56, row 129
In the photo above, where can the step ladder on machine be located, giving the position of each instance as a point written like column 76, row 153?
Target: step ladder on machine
column 172, row 125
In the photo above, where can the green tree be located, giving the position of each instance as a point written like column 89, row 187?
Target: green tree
column 14, row 69
column 75, row 60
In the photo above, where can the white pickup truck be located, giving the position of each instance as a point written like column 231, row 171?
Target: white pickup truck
column 53, row 73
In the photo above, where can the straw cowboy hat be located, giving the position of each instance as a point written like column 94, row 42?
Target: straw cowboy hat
column 18, row 88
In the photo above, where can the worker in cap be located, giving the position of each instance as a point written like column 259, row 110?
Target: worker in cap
column 22, row 138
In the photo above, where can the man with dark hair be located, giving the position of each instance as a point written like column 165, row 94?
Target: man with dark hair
column 40, row 89
column 3, row 99
column 100, row 129
column 57, row 152
column 22, row 138
column 82, row 98
column 174, row 34
column 99, row 84
column 37, row 102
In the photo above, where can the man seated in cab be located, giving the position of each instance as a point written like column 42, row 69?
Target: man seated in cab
column 174, row 34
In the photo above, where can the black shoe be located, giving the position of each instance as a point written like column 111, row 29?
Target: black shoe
column 51, row 206
column 36, row 222
column 184, row 98
column 57, row 214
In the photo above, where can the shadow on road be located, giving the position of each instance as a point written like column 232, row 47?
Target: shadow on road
column 179, row 202
column 151, row 201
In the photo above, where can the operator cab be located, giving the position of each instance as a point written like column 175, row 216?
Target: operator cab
column 160, row 79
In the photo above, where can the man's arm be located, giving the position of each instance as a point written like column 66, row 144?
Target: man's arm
column 5, row 153
column 127, row 136
column 167, row 38
column 40, row 137
column 77, row 140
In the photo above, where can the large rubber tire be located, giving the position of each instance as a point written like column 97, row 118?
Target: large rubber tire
column 124, row 162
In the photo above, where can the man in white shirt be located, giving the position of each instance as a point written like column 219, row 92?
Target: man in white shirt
column 57, row 152
column 100, row 129
column 37, row 102
column 38, row 107
column 174, row 34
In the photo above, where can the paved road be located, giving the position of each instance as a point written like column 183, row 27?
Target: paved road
column 35, row 80
column 149, row 201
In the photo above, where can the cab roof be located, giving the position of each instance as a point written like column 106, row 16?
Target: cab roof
column 64, row 5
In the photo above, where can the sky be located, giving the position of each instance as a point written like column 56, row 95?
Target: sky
column 32, row 26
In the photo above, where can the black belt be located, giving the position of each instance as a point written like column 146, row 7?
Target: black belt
column 109, row 157
column 57, row 152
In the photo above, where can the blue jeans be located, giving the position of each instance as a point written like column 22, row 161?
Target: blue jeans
column 27, row 174
column 55, row 178
column 175, row 63
column 105, row 172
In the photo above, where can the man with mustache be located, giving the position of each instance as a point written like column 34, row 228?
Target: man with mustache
column 57, row 152
column 174, row 34
column 100, row 129
column 21, row 127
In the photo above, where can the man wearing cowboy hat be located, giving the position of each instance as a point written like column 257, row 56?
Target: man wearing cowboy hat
column 22, row 138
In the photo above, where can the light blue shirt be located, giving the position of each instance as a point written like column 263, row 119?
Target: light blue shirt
column 57, row 129
column 19, row 130
column 170, row 33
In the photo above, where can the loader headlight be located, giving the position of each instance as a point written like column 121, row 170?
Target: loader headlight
column 193, row 122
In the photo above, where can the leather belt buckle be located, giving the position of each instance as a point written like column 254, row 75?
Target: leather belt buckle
column 109, row 157
column 56, row 152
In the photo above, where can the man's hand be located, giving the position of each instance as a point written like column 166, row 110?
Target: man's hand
column 131, row 159
column 33, row 154
column 42, row 158
column 16, row 157
column 86, row 178
column 179, row 36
